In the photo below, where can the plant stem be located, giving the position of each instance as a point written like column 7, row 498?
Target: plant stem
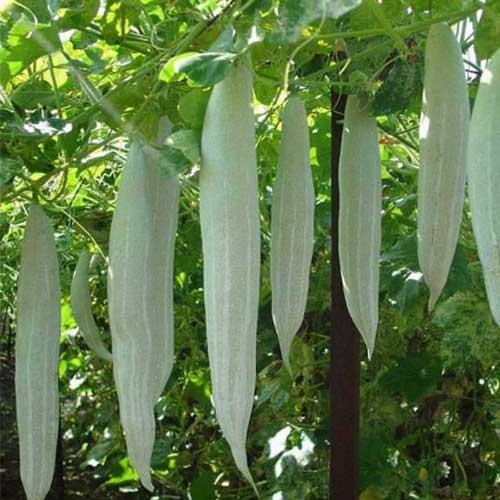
column 408, row 30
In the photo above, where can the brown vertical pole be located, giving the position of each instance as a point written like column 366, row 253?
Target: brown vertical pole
column 344, row 350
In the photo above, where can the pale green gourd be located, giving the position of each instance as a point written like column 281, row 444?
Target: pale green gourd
column 292, row 226
column 483, row 178
column 37, row 355
column 164, row 193
column 444, row 126
column 360, row 218
column 140, row 297
column 229, row 216
column 81, row 304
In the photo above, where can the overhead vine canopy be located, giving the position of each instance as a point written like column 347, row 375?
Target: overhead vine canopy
column 80, row 80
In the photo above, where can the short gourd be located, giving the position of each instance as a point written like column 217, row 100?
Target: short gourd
column 81, row 304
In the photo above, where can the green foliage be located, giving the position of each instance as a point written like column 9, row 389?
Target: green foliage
column 295, row 16
column 430, row 408
column 487, row 38
column 205, row 68
column 401, row 88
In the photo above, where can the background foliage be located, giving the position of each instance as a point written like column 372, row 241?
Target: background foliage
column 78, row 77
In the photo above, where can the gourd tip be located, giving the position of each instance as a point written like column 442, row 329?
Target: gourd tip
column 242, row 464
column 369, row 341
column 146, row 482
column 249, row 478
column 432, row 301
column 370, row 348
column 287, row 365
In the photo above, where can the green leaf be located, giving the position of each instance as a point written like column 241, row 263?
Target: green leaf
column 4, row 73
column 410, row 292
column 99, row 452
column 236, row 42
column 187, row 143
column 413, row 376
column 9, row 168
column 405, row 250
column 122, row 473
column 78, row 14
column 402, row 84
column 192, row 107
column 34, row 94
column 487, row 37
column 162, row 449
column 181, row 151
column 202, row 488
column 82, row 39
column 28, row 45
column 118, row 19
column 37, row 7
column 172, row 162
column 4, row 224
column 297, row 15
column 206, row 68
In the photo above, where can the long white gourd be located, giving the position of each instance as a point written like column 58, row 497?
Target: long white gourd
column 292, row 226
column 164, row 193
column 483, row 177
column 140, row 297
column 444, row 125
column 360, row 218
column 229, row 215
column 81, row 305
column 133, row 343
column 37, row 355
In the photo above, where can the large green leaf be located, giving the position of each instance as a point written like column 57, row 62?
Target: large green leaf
column 487, row 37
column 401, row 87
column 205, row 68
column 27, row 43
column 181, row 151
column 78, row 14
column 34, row 94
column 9, row 168
column 413, row 376
column 192, row 107
column 295, row 16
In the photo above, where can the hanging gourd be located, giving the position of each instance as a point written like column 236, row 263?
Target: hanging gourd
column 483, row 177
column 140, row 281
column 360, row 218
column 81, row 304
column 229, row 215
column 444, row 126
column 292, row 226
column 37, row 355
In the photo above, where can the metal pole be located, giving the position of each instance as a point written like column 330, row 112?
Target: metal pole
column 344, row 350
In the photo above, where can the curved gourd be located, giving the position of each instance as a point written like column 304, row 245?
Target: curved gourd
column 360, row 218
column 81, row 304
column 292, row 226
column 37, row 355
column 444, row 126
column 483, row 177
column 229, row 216
column 140, row 295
